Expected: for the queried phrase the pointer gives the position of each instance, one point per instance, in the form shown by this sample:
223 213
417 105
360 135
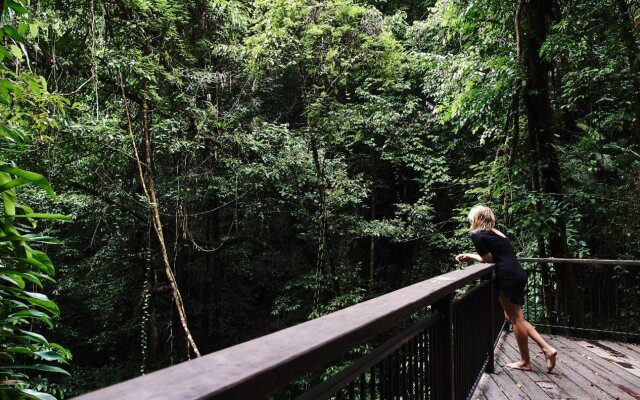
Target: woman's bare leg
514 311
549 352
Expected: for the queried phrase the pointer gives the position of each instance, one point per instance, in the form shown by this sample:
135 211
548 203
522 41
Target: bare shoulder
499 233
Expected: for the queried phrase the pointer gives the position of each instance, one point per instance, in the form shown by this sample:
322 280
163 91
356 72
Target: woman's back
507 265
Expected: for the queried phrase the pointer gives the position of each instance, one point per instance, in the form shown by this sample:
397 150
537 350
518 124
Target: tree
26 110
306 155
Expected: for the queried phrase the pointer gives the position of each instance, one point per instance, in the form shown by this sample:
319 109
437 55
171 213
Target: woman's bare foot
521 365
550 355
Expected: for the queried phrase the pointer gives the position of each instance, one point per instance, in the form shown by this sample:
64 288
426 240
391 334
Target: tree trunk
322 225
148 185
631 49
372 243
539 17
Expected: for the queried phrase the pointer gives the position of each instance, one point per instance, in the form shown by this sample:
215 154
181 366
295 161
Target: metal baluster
408 369
418 376
414 368
600 284
411 370
372 382
591 310
407 380
616 304
531 289
383 379
457 346
392 373
466 321
402 384
397 374
425 366
537 285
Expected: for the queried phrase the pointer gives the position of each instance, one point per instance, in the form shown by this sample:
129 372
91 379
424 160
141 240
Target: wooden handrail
255 368
588 261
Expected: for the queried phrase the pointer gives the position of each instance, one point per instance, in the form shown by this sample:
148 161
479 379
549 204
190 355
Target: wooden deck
586 369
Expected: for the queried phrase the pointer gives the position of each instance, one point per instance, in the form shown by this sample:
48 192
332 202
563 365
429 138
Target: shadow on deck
586 369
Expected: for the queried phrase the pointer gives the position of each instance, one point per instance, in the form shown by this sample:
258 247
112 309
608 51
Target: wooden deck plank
504 381
635 346
537 359
585 370
605 367
564 387
539 374
622 351
614 357
566 378
478 395
572 372
572 381
630 349
620 381
509 386
490 388
524 380
597 379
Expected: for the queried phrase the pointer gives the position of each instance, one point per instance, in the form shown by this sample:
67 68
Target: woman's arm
487 258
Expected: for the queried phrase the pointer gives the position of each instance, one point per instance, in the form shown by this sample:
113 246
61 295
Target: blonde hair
481 218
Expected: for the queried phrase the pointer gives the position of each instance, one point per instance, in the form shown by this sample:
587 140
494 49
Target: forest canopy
229 168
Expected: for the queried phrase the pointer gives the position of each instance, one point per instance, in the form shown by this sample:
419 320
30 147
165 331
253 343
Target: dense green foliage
25 112
307 155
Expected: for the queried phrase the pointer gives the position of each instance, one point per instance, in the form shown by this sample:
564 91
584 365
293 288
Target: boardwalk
586 369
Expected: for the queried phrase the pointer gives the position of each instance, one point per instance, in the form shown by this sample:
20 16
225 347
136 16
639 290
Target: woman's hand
466 257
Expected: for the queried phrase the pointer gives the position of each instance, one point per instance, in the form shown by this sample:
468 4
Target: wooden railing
444 344
431 340
599 298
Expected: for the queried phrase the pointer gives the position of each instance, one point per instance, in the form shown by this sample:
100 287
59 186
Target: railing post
492 323
442 350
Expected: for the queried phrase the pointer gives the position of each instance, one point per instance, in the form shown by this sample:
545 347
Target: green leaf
33 29
13 33
17 7
20 350
37 395
40 300
51 355
30 314
37 367
35 263
40 239
43 259
35 277
26 177
59 217
15 50
15 279
11 134
8 196
32 336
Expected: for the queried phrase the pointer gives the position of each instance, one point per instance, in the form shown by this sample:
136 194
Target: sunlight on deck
586 369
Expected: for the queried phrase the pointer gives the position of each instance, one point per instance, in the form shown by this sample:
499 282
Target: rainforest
182 176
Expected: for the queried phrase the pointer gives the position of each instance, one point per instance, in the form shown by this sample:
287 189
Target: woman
494 247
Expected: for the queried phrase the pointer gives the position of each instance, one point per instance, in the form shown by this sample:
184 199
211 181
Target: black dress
511 278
